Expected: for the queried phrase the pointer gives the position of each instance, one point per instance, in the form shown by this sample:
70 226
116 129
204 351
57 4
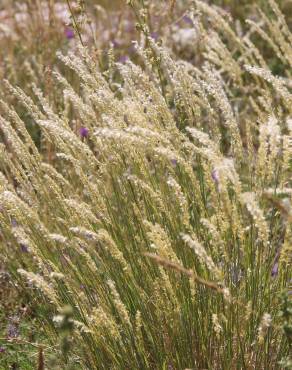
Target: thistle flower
173 162
123 59
69 32
14 222
83 131
13 327
215 176
154 35
187 19
24 248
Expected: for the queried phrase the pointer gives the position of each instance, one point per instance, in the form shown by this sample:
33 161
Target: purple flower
123 58
69 32
187 19
13 222
154 35
83 131
174 162
215 176
23 248
12 330
2 349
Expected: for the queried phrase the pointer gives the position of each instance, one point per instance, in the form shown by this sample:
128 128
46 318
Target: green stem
75 22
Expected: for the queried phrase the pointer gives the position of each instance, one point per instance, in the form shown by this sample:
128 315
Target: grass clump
155 233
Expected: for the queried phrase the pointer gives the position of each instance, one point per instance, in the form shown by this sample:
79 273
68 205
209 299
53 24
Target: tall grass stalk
163 217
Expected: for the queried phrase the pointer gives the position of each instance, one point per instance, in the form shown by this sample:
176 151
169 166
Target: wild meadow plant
157 233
